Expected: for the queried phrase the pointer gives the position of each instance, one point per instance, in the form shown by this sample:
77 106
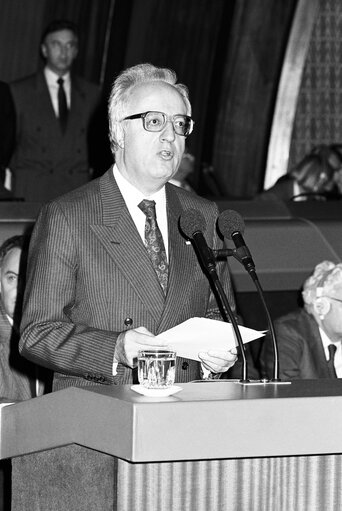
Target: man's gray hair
326 277
122 88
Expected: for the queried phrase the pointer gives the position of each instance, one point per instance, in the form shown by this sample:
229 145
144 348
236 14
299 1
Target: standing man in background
54 109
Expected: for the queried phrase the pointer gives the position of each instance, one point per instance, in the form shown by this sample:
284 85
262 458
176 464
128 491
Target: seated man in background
313 178
309 339
18 377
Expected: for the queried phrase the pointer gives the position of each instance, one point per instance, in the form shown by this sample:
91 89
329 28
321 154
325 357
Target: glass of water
156 368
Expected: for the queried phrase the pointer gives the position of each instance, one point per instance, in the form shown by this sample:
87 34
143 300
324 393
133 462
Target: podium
213 446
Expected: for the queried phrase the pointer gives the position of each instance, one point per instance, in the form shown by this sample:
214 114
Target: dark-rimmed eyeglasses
156 121
332 298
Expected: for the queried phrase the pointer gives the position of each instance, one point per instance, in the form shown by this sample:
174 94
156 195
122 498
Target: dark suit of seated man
309 339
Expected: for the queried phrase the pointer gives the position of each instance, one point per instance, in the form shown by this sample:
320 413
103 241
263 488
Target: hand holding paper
202 335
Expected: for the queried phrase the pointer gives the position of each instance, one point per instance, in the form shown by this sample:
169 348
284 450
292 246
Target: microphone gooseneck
232 226
192 223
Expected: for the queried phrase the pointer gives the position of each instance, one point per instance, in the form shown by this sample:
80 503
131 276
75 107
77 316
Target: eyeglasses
332 298
156 121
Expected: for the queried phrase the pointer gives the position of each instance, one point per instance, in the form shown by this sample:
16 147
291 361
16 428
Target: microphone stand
227 252
213 277
224 300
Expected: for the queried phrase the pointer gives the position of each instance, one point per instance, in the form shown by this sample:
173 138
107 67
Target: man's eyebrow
9 272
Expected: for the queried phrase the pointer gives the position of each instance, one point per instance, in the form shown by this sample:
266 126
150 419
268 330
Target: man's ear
120 135
321 306
43 50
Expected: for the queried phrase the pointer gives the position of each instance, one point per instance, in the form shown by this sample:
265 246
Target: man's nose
168 132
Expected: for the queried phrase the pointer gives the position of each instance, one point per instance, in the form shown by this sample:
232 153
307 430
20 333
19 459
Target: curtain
251 69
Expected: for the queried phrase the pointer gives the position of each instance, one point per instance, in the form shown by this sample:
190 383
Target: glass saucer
156 392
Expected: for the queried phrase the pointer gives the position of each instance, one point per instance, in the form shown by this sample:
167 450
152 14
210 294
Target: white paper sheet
202 334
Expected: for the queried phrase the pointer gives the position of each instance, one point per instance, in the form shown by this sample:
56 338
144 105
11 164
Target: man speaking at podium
94 297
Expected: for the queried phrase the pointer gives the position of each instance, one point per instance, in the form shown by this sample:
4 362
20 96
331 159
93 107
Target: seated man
313 178
309 339
18 377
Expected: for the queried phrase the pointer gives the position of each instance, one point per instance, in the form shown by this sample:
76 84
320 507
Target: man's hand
130 342
218 361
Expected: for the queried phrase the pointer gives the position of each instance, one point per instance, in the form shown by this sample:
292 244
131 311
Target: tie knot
332 350
60 82
148 207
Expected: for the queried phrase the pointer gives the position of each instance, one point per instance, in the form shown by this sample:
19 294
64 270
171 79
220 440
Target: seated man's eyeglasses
156 121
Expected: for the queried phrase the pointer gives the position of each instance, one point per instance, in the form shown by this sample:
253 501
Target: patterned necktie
154 242
332 350
62 105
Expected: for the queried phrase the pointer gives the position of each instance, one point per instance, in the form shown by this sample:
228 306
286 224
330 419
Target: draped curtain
250 77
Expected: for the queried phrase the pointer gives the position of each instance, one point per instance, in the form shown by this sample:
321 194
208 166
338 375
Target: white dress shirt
132 197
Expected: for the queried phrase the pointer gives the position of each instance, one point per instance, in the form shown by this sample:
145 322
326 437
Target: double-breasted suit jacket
301 352
46 162
90 278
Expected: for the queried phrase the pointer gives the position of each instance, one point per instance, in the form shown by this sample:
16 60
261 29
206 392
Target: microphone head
192 221
230 221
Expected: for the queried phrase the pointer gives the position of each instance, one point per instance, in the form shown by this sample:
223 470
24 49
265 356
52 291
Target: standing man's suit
301 352
46 162
90 278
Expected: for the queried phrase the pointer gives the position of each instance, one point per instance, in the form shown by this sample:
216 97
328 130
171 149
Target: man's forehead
11 260
61 35
156 96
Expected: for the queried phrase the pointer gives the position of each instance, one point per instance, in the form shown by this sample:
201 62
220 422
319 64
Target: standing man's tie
332 350
62 105
154 242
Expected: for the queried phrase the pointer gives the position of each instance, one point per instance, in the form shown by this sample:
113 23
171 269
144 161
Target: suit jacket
47 163
17 375
7 124
301 352
283 189
90 278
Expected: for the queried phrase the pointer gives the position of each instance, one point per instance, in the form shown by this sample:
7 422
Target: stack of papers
202 334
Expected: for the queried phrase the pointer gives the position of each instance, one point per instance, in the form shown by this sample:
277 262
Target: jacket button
128 322
185 365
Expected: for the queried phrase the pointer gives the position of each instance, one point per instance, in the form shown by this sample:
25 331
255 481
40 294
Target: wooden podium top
206 420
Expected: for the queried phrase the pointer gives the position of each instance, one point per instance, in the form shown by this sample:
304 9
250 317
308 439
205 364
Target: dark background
228 52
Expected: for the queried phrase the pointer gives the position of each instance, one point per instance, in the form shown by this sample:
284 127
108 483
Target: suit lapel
47 116
78 98
120 238
180 257
318 354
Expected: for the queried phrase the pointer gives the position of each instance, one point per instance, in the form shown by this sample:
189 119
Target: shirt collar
51 77
132 196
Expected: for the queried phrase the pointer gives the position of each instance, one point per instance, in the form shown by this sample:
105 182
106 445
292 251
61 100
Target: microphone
232 226
192 223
